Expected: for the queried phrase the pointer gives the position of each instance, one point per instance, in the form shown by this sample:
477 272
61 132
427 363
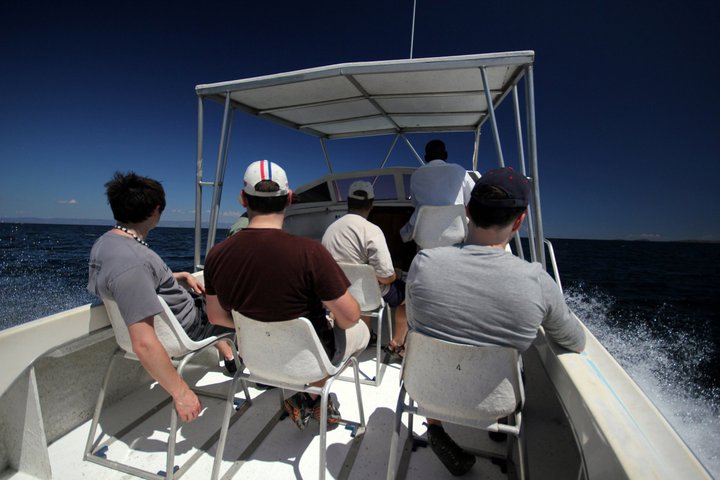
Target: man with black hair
270 275
477 293
123 268
437 183
354 239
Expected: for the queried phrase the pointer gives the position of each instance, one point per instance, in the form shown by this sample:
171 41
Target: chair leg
356 371
522 460
99 405
323 431
239 367
378 348
172 438
396 434
324 396
170 462
389 319
225 426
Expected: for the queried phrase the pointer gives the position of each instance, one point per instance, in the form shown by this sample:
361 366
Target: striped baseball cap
265 170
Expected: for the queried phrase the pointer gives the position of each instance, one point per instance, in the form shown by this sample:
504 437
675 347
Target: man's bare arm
345 309
154 358
217 315
386 280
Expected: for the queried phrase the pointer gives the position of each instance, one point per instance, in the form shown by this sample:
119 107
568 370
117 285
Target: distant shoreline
191 225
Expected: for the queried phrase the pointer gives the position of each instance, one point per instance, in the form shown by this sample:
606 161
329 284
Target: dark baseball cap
514 184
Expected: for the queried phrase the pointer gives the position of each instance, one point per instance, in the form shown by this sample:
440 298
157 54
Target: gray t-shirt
133 276
483 296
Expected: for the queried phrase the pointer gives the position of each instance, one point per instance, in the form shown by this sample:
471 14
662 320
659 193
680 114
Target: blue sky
626 99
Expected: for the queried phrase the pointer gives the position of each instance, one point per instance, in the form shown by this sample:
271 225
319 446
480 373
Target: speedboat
584 417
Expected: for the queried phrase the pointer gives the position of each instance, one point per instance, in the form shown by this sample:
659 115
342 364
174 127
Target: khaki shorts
350 342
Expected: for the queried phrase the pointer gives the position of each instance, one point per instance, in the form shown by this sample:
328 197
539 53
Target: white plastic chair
366 290
440 225
288 355
462 384
181 350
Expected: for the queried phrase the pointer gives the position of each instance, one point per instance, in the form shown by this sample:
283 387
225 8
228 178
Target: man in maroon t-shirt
269 275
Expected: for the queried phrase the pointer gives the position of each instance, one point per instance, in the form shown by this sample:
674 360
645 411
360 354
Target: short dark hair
435 150
266 204
485 216
133 198
357 204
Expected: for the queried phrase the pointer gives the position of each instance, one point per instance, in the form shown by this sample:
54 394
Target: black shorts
396 295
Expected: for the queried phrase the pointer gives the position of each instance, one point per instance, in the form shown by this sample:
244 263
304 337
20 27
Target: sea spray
664 361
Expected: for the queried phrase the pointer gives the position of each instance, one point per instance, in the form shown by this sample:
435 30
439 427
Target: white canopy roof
376 98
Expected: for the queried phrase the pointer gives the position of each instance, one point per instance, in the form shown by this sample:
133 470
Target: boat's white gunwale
21 346
606 407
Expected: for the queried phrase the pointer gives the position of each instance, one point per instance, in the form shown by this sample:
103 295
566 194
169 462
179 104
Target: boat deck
287 452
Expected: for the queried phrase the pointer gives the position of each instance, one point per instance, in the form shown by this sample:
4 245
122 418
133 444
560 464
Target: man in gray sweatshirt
477 293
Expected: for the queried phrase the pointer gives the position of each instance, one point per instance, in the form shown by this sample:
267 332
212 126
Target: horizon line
190 224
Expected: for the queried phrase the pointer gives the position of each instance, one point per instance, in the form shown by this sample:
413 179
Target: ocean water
654 306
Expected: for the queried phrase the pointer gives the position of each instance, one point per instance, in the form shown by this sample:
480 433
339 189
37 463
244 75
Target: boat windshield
384 185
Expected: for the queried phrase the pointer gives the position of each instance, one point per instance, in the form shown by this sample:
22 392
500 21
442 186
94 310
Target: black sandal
394 349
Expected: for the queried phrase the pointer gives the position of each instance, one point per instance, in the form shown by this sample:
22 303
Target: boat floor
287 452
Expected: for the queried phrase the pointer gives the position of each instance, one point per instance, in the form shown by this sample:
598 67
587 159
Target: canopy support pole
219 173
199 185
412 32
412 149
329 165
476 149
521 157
493 120
390 150
533 164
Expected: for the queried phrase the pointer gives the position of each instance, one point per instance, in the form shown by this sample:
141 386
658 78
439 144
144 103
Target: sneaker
298 409
455 459
333 414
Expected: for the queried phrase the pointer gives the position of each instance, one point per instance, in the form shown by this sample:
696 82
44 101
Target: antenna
412 34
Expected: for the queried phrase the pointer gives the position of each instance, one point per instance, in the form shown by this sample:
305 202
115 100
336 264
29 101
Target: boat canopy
393 97
378 98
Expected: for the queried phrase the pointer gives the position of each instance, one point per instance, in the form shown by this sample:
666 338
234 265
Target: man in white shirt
437 183
353 239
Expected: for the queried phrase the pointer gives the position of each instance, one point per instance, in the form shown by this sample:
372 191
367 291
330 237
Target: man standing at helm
437 183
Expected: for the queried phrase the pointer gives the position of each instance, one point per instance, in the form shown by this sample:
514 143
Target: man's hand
345 310
191 282
187 405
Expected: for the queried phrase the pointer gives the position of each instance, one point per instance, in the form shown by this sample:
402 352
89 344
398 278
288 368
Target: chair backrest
287 351
167 328
364 285
440 225
463 384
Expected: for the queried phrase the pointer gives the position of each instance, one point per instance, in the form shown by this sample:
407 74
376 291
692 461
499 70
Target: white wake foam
664 366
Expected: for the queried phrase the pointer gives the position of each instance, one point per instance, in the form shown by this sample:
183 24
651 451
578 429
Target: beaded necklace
137 239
